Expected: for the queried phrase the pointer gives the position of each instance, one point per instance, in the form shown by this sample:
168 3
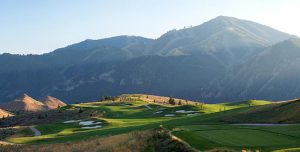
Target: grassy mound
282 112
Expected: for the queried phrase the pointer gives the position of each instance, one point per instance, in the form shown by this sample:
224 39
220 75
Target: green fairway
239 137
118 118
203 131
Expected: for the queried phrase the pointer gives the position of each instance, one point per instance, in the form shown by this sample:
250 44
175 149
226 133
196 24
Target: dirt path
35 131
259 124
6 143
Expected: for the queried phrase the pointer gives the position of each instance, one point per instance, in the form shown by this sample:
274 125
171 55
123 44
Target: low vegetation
6 132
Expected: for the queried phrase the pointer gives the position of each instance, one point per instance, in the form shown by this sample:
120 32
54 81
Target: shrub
172 101
162 141
179 103
80 110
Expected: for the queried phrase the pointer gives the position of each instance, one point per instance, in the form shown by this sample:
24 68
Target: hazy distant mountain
105 50
272 74
226 39
222 59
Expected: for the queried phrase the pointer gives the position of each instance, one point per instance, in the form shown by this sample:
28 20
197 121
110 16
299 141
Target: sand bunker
192 114
184 111
72 121
157 112
88 123
91 127
170 115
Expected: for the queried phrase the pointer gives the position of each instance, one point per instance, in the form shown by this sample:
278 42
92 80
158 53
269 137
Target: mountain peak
25 95
221 34
221 17
225 20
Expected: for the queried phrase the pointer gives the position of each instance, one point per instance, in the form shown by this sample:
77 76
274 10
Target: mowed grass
56 128
121 117
118 118
281 112
205 137
198 131
71 134
213 108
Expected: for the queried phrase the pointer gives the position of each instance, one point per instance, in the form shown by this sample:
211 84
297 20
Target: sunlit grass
124 117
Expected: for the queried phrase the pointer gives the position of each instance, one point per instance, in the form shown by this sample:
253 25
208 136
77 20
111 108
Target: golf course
201 126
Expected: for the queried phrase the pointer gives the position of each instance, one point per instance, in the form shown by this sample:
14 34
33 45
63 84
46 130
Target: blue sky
39 26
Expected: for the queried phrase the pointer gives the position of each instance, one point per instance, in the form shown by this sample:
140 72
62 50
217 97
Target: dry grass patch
130 142
162 99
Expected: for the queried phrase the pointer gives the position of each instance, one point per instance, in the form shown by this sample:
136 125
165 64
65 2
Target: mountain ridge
194 63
